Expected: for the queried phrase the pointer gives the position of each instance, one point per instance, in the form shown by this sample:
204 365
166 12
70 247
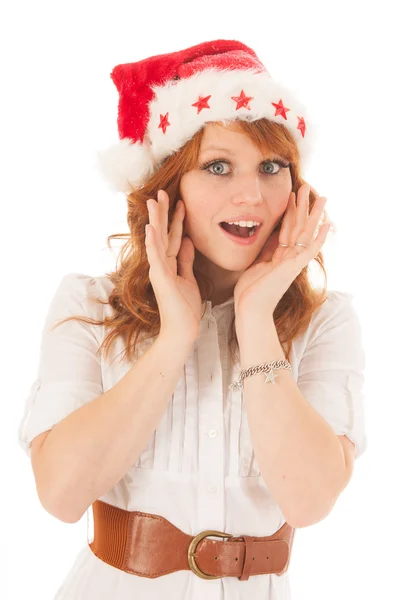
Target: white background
59 107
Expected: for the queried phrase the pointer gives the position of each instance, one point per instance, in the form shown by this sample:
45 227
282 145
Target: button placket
210 513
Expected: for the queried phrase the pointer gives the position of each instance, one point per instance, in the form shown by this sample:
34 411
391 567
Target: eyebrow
272 156
217 148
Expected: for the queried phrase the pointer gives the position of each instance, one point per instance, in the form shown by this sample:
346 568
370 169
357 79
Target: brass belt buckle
192 552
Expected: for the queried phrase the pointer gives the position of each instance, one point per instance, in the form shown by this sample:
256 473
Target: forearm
299 456
90 450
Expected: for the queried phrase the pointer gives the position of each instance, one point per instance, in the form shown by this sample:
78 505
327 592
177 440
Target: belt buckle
192 552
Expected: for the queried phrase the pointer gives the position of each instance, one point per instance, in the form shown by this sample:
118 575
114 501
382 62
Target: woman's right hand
171 269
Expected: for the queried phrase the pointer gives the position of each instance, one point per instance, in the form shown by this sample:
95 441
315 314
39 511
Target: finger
174 240
159 261
186 259
154 221
320 238
163 207
302 259
307 234
288 220
316 244
302 209
315 215
151 248
176 229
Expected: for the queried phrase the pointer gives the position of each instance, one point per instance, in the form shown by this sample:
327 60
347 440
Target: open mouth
238 231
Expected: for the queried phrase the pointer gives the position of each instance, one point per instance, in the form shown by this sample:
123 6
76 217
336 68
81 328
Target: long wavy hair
134 307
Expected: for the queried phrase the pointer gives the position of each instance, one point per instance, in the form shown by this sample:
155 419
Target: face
239 180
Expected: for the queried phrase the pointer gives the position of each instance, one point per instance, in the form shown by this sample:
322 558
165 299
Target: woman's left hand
262 285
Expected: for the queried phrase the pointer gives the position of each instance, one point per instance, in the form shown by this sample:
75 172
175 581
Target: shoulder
83 286
335 302
337 310
80 292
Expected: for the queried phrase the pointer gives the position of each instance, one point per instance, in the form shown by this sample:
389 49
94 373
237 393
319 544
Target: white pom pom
126 164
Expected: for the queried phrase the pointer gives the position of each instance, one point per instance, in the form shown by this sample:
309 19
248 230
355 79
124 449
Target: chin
234 264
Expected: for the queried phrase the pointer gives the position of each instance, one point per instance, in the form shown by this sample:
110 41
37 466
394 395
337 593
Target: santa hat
164 100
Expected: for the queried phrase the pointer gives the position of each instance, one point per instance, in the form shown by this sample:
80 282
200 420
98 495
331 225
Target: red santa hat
164 100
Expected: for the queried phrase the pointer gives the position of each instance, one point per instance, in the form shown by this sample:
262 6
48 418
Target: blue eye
268 164
210 165
216 164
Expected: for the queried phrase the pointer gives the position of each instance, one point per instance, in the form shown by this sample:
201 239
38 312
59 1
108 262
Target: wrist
180 343
253 328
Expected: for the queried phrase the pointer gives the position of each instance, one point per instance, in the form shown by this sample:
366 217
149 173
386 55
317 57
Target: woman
234 412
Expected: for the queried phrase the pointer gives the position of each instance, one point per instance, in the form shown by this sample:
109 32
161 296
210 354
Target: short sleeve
69 371
331 370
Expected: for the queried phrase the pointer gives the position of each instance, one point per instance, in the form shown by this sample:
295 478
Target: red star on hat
242 100
302 126
280 109
202 103
164 123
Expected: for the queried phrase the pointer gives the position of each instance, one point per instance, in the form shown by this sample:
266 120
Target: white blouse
198 469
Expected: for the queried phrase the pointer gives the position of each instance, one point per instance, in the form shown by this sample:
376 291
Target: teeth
244 223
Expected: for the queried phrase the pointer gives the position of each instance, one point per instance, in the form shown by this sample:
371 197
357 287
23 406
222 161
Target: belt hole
236 559
215 557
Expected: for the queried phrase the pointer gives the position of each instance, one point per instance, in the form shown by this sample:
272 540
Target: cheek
279 194
201 206
281 207
198 218
277 208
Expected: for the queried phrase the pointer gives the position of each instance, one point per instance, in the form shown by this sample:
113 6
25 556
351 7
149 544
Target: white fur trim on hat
176 99
126 164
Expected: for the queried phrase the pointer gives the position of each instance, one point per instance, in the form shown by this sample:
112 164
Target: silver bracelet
267 368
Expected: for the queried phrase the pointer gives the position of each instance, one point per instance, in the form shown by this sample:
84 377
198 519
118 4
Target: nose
247 190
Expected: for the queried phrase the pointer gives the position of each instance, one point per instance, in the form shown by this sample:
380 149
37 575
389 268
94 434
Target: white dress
198 469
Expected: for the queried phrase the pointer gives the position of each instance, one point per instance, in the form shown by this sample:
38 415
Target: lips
232 228
243 241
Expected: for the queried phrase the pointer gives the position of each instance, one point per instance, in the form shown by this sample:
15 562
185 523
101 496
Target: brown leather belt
150 546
